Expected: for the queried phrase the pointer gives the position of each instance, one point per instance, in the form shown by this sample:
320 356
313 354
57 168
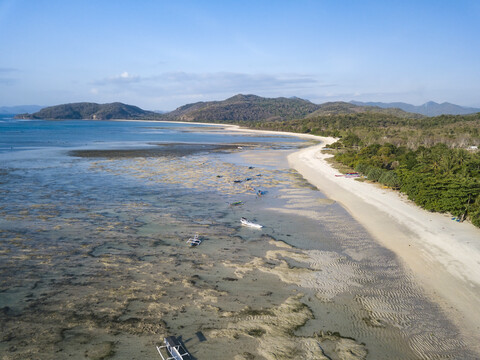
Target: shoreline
442 255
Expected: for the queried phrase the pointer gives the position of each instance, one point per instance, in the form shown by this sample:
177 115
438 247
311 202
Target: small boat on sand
195 241
175 349
246 222
261 192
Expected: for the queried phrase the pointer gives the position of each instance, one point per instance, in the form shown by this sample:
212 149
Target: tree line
437 178
371 128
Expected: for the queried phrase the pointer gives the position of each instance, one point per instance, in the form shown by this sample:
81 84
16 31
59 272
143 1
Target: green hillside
251 108
244 108
91 111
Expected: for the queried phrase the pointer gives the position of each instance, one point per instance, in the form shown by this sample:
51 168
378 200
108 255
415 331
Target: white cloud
126 75
123 78
172 89
184 83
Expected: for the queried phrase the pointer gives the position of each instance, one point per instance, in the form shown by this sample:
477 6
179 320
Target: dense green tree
390 179
436 178
374 173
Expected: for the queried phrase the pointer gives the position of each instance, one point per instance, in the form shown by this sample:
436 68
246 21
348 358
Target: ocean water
38 134
94 263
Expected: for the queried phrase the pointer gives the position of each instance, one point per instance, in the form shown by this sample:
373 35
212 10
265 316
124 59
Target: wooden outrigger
195 241
174 348
246 222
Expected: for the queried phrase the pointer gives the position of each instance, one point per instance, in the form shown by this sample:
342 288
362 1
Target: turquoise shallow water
93 260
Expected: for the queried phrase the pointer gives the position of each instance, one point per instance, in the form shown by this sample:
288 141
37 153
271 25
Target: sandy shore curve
442 255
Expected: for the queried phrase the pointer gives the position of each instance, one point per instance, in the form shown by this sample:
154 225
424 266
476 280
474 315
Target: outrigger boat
195 241
175 349
245 222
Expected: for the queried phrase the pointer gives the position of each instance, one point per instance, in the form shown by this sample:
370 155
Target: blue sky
163 54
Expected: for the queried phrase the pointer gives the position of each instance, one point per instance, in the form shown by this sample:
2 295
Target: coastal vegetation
366 128
437 178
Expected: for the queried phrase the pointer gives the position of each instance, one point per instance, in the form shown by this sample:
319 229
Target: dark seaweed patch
160 150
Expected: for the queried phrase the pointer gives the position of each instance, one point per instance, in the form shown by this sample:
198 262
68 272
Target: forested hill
251 108
93 111
243 108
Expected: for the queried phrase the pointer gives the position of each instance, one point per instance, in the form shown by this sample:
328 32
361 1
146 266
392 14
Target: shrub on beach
374 173
391 179
362 168
475 212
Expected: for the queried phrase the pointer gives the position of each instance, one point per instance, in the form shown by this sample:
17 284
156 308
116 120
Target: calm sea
16 135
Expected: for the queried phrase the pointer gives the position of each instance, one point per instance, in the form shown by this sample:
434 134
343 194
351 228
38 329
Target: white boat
195 241
245 222
175 349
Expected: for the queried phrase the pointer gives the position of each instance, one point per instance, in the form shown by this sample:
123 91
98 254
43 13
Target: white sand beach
442 255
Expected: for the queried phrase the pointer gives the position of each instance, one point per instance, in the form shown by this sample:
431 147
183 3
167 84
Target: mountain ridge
344 108
430 108
20 109
244 108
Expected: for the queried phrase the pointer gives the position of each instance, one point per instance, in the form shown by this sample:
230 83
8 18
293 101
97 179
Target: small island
91 111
